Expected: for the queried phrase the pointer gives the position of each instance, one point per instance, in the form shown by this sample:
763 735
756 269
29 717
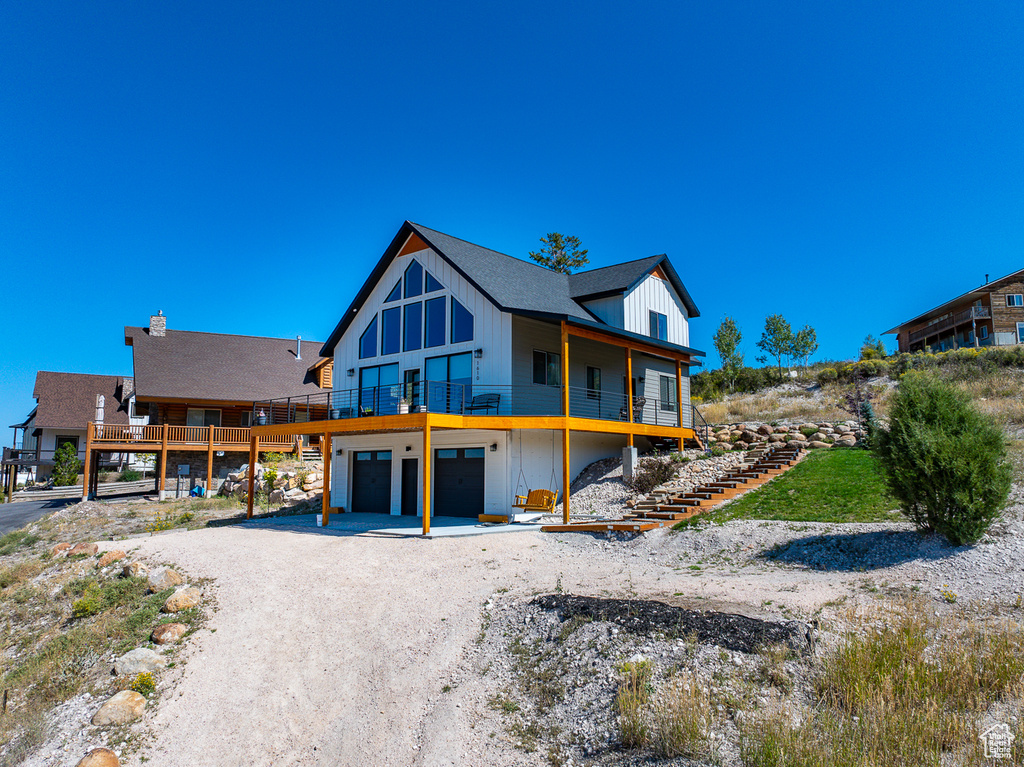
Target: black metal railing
467 399
700 426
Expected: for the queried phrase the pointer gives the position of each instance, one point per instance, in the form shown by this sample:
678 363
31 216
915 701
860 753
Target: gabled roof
970 296
620 278
194 366
68 400
511 284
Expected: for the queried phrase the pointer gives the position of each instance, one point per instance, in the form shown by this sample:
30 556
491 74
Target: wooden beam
640 346
163 461
426 479
254 444
566 476
328 454
629 392
565 370
90 429
209 464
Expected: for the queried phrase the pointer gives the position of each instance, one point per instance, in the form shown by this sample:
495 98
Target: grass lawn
834 485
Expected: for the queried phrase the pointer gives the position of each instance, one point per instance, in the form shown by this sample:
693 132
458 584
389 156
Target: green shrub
269 477
129 475
943 460
66 465
827 376
90 603
649 473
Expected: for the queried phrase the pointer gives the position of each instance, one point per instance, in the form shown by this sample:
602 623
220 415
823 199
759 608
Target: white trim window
1014 299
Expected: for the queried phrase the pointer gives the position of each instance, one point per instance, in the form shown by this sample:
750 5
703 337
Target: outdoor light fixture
408 448
340 451
494 447
478 353
351 372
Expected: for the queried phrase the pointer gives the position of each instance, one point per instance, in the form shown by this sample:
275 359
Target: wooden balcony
945 323
120 438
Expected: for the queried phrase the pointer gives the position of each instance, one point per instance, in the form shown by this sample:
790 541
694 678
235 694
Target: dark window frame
412 336
593 382
418 287
668 394
548 368
658 325
458 306
427 325
392 311
372 326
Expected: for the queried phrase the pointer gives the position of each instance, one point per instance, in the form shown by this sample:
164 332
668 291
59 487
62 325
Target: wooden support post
209 463
163 461
679 398
12 474
325 449
426 478
566 476
565 370
629 393
86 472
253 453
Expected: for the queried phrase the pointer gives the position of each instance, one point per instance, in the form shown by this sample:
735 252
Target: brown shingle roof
213 366
68 400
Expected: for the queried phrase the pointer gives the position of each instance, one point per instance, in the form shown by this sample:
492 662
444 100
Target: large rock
817 444
777 438
817 437
183 599
134 570
295 494
124 707
60 548
798 443
277 496
740 445
810 428
83 548
139 660
847 441
748 436
163 578
99 757
110 557
168 633
765 429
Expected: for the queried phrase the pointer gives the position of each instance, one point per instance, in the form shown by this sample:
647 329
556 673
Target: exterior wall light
494 447
350 372
478 353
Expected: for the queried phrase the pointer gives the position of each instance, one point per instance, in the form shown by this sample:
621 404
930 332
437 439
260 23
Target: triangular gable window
395 294
368 340
414 280
433 285
462 323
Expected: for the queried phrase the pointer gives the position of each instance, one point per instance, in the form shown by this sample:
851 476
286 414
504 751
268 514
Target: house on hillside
462 376
198 390
65 405
991 315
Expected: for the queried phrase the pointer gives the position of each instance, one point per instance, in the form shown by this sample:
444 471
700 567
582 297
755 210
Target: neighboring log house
991 315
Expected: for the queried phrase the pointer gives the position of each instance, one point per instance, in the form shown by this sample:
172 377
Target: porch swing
541 501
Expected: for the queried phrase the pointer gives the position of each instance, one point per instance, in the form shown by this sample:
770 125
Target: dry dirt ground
359 650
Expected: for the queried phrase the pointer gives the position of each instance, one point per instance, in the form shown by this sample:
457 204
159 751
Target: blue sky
241 165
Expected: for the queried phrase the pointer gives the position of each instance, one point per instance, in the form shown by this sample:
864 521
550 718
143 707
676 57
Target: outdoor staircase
668 505
310 454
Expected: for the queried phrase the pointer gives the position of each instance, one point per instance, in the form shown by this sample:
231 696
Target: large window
379 391
413 332
395 294
391 331
434 322
1015 299
449 382
668 394
659 326
413 280
200 417
547 369
368 340
462 323
432 284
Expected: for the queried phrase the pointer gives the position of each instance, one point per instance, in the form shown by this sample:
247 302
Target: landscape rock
765 429
817 444
134 570
163 578
124 707
168 633
295 494
277 496
740 445
847 441
59 549
183 599
83 548
99 757
110 557
137 661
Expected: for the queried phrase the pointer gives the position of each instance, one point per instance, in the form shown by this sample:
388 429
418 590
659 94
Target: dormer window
659 326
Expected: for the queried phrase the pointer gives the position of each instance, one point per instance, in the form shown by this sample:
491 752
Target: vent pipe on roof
986 280
298 347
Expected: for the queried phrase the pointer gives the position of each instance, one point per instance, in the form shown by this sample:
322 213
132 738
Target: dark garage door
371 481
459 482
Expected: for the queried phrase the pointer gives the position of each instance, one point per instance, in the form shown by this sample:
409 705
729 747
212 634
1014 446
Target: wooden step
603 527
502 518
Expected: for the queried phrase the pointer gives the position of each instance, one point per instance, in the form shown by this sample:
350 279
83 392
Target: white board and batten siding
492 329
654 294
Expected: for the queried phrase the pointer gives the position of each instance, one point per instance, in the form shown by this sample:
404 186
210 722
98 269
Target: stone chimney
158 325
127 388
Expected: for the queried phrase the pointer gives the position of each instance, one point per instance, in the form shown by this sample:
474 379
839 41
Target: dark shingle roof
68 400
619 278
215 366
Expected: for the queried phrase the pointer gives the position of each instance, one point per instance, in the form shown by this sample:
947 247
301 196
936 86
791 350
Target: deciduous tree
805 343
776 339
727 341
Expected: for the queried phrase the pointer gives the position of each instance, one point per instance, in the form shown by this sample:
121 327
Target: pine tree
561 253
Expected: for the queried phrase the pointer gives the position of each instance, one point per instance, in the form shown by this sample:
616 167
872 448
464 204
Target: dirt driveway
334 650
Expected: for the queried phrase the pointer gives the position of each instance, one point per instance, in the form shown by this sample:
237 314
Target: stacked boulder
742 436
289 487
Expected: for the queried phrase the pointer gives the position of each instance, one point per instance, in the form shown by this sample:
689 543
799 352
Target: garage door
371 481
459 482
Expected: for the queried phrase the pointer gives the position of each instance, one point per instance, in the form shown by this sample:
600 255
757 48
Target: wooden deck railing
183 435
